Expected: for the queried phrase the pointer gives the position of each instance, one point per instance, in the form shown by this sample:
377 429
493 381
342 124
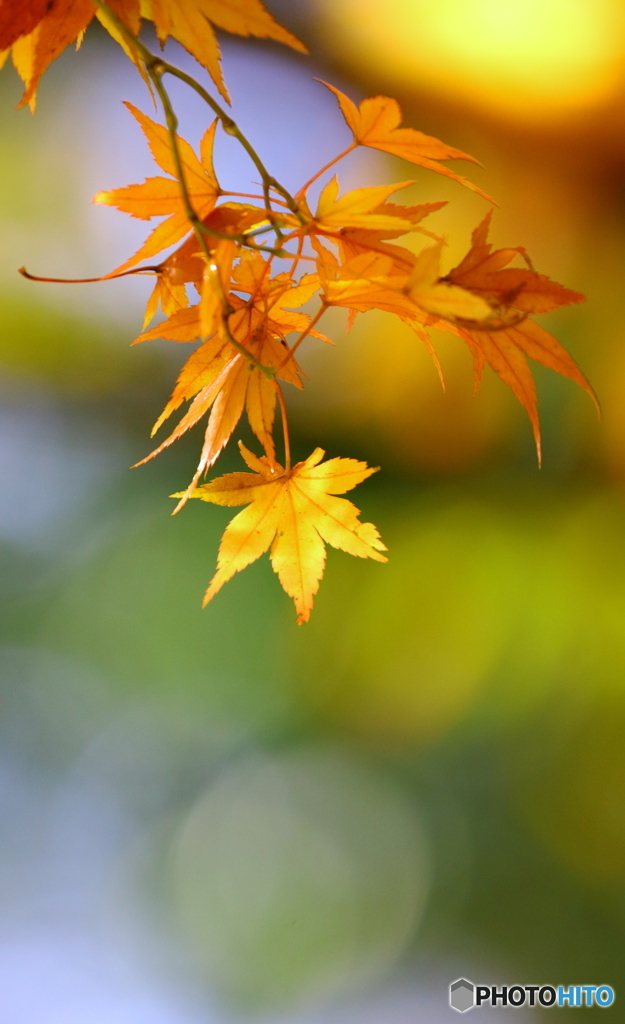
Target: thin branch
247 195
304 189
231 128
285 428
88 280
303 335
298 256
156 68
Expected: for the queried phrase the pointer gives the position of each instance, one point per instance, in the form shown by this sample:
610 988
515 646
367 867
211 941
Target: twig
285 428
156 68
303 335
304 189
88 280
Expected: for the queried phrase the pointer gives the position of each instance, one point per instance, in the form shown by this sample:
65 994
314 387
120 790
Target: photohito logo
464 995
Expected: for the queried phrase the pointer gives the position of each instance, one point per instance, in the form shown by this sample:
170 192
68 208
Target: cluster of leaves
245 265
37 31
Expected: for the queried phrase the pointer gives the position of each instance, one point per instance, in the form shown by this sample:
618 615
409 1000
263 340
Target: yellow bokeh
536 59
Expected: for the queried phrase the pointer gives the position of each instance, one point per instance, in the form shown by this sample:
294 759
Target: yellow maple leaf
439 297
360 209
295 512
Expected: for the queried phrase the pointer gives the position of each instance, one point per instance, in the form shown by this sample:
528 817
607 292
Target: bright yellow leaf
296 513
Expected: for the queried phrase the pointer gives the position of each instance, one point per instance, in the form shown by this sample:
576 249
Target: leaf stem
231 128
298 256
247 195
303 335
88 280
304 189
285 428
156 68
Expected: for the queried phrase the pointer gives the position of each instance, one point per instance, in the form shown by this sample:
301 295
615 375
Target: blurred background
217 816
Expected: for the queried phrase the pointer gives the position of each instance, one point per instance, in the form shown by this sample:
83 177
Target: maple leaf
162 196
355 241
20 19
295 512
372 280
365 281
270 296
482 301
222 380
409 289
360 208
439 296
39 30
189 21
32 52
219 381
507 336
375 123
59 23
519 289
186 264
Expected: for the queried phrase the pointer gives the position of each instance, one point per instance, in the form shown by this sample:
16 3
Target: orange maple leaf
296 513
482 301
375 123
189 21
409 288
519 289
365 281
372 280
360 208
186 264
39 30
20 19
162 196
59 23
440 297
225 383
507 336
222 380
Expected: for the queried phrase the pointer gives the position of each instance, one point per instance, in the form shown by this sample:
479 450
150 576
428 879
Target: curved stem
298 256
156 68
303 335
247 195
304 189
87 280
231 128
285 428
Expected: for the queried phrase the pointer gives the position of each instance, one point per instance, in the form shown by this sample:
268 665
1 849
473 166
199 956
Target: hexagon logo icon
462 995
